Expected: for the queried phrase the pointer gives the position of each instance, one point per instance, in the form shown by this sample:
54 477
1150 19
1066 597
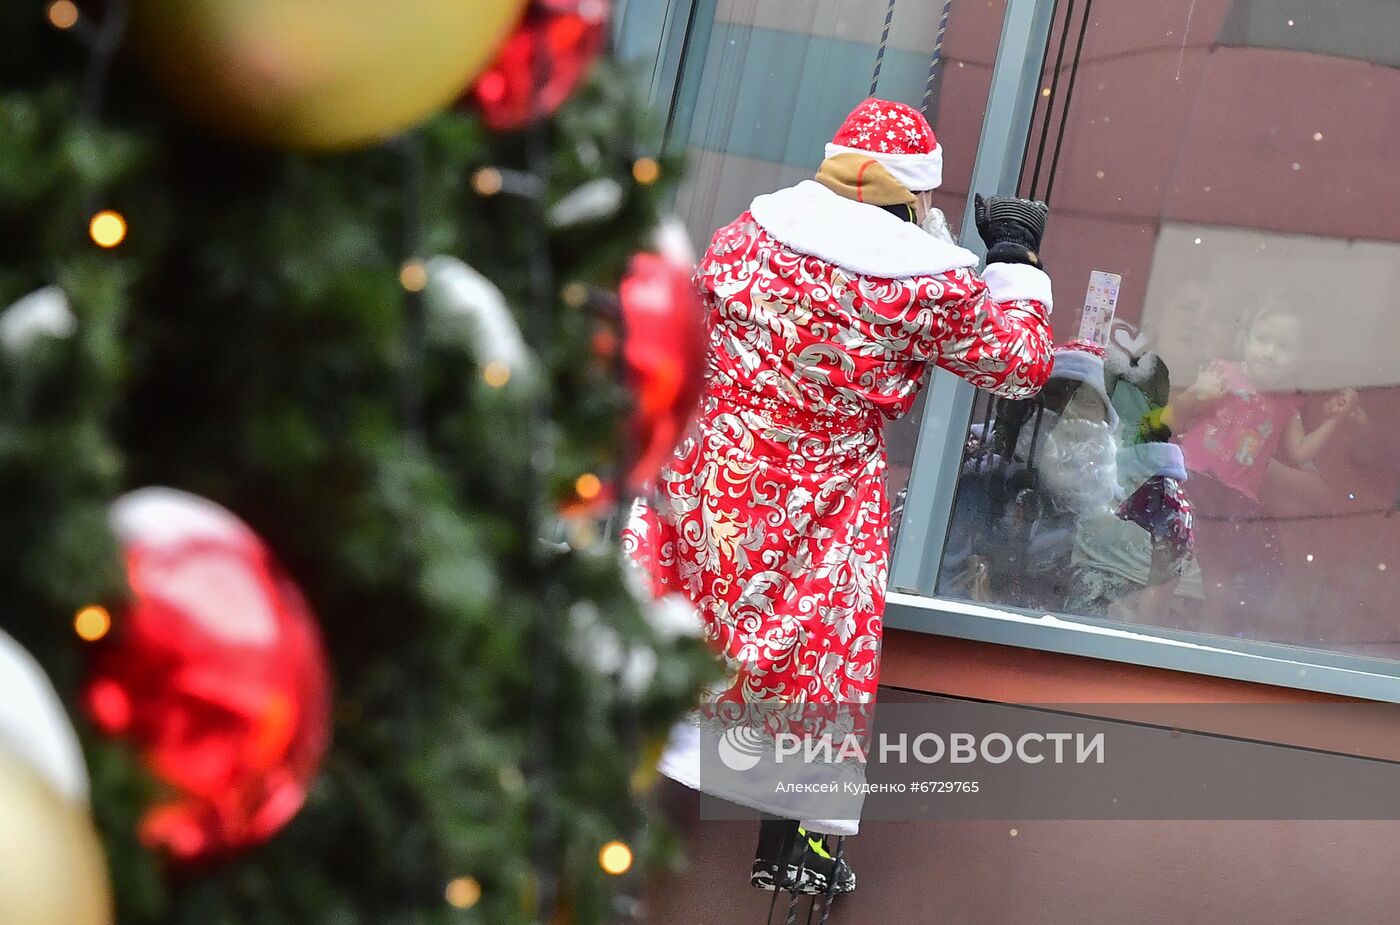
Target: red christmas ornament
663 353
216 675
543 61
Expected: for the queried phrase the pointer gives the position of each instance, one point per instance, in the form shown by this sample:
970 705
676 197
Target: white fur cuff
1008 282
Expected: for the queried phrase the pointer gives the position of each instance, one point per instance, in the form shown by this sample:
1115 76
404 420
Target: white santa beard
936 224
1077 462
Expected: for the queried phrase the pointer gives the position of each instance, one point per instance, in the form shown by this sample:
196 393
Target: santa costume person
826 304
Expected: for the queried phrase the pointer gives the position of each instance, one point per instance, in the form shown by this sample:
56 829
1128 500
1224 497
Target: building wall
997 872
1060 873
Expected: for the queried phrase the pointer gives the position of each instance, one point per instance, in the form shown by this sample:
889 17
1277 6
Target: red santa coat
772 516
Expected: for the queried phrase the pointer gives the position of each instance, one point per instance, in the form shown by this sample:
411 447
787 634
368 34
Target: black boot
791 859
777 841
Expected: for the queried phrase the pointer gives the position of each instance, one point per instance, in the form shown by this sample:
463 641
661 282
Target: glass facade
777 77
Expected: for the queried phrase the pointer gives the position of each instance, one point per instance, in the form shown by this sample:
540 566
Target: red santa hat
898 137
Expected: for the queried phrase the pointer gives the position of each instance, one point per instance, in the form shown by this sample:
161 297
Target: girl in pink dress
1235 419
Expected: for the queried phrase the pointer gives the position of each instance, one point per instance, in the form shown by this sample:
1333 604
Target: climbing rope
880 55
937 57
1053 97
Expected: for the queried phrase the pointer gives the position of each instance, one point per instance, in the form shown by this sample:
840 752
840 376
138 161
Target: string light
575 295
92 623
1045 91
107 228
646 171
1310 557
496 374
63 14
511 779
1317 136
615 858
588 486
1380 566
413 275
487 181
1014 833
463 892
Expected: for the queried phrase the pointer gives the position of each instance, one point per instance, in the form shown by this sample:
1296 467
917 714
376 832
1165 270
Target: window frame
674 77
912 602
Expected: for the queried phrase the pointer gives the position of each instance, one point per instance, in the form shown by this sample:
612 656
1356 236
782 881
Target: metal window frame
933 479
689 68
912 602
673 80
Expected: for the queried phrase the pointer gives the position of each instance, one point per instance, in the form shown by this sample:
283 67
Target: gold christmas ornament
318 74
53 871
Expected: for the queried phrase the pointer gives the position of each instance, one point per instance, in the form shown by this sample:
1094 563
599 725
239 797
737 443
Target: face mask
937 225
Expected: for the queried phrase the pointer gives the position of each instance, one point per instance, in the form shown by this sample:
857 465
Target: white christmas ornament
672 616
34 726
43 313
594 643
675 617
602 649
672 241
639 671
460 295
591 202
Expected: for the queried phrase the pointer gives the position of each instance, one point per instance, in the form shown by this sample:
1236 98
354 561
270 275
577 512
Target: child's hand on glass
1210 384
1341 406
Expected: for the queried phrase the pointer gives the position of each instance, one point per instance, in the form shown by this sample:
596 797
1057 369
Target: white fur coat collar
861 239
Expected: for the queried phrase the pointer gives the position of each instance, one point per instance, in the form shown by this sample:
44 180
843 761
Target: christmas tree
285 333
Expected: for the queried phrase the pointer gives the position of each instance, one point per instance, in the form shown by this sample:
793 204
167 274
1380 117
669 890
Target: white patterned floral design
772 515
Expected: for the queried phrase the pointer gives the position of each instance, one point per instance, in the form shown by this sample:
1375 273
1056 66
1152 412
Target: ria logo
741 748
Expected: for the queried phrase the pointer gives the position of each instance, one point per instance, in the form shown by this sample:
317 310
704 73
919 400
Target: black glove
1011 228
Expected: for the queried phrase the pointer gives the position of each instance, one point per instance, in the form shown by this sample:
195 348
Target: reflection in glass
1066 502
1228 161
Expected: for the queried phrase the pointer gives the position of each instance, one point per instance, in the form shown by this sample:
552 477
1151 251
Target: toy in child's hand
1139 383
1131 359
1156 426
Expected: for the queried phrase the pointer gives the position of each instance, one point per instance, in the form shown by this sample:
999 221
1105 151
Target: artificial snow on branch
462 300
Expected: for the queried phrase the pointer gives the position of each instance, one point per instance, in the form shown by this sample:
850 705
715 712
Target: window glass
1231 465
777 77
